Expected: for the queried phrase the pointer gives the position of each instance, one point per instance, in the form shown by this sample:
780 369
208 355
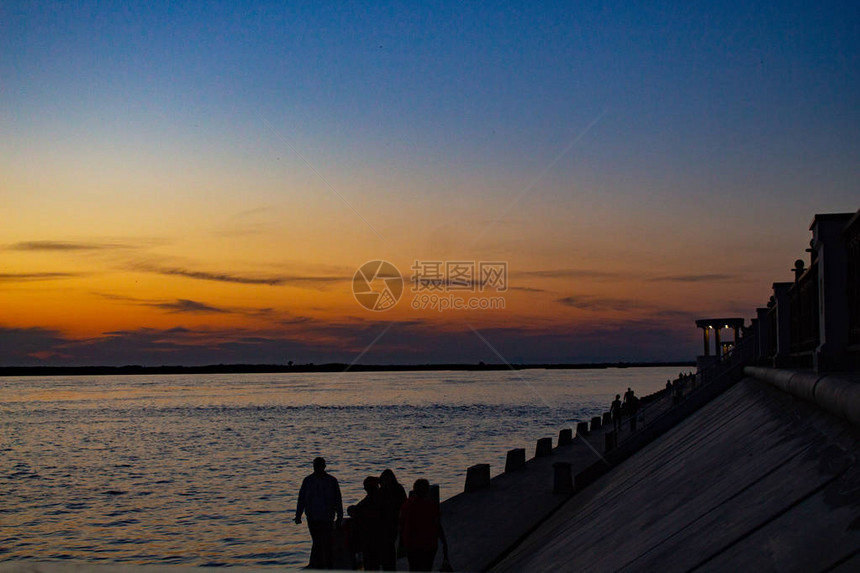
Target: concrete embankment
484 523
758 479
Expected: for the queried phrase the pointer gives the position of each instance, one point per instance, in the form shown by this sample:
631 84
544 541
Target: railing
852 244
804 312
730 364
773 334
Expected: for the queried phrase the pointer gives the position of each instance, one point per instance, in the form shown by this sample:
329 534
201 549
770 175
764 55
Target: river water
205 469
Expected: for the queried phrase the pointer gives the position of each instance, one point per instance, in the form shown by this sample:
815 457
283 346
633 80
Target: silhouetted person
615 412
632 409
421 527
319 499
370 525
392 496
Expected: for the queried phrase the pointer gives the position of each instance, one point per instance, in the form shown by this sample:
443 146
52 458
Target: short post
582 428
607 418
544 448
434 492
565 437
562 479
595 423
477 477
516 460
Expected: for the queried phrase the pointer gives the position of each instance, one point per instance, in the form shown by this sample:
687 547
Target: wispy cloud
567 274
190 306
716 277
29 277
183 305
216 277
227 277
293 321
595 303
63 246
126 261
527 289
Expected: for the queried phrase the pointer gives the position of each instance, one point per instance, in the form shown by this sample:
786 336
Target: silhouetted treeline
330 367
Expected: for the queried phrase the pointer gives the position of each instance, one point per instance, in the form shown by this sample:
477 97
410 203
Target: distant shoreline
305 368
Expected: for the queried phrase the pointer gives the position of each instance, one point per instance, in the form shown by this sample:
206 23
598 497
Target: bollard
607 418
477 477
544 448
565 437
595 423
582 429
434 492
562 479
516 460
610 441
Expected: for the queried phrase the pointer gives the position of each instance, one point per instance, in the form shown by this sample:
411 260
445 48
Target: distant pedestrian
421 528
370 525
320 500
392 497
615 412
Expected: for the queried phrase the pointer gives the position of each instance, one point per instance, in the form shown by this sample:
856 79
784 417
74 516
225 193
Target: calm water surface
205 469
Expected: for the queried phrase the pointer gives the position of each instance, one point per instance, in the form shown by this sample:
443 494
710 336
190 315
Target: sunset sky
194 183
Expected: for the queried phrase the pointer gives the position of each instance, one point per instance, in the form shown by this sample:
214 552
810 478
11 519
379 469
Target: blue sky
686 138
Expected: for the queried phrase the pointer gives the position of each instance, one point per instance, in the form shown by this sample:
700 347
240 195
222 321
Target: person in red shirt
421 528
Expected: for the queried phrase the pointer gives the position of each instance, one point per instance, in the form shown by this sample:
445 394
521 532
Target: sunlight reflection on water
205 469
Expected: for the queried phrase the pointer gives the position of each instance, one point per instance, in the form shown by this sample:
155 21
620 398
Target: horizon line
249 368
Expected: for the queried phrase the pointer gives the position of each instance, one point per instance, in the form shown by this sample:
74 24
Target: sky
199 183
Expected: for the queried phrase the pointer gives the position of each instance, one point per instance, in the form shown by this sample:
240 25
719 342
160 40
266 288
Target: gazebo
716 325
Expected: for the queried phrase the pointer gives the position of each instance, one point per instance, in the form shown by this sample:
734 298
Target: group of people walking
624 410
383 517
